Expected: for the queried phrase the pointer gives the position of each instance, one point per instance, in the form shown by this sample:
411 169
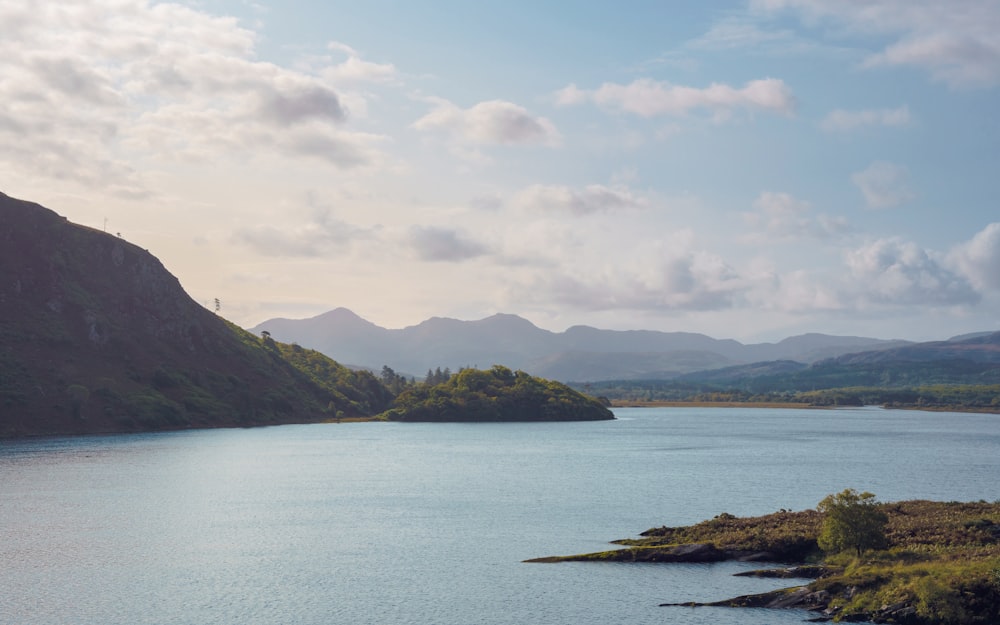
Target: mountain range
97 336
579 354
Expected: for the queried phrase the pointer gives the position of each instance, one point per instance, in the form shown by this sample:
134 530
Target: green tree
852 520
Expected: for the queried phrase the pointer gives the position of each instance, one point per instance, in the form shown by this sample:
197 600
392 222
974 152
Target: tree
852 521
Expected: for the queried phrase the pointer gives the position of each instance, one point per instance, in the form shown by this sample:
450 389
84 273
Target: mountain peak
341 315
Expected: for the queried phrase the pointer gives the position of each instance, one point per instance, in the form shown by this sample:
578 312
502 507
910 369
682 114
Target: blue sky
749 170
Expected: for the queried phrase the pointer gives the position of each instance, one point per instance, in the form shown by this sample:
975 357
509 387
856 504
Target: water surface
387 523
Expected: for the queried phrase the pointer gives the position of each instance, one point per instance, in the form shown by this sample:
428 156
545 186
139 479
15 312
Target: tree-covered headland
495 394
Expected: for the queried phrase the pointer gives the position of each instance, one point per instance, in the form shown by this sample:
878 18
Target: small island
910 562
496 394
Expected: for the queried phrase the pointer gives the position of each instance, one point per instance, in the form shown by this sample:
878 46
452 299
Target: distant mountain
971 360
581 353
979 348
96 336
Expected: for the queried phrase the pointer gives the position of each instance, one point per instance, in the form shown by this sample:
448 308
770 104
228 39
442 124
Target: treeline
959 396
986 397
397 383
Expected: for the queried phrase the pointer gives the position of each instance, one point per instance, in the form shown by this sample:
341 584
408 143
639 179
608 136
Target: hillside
96 336
581 353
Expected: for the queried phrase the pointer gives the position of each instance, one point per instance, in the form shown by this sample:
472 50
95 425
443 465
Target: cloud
74 79
733 32
322 237
897 272
494 122
99 84
782 216
442 245
356 70
664 275
884 185
320 233
841 120
591 199
649 98
682 287
955 41
747 33
301 103
979 258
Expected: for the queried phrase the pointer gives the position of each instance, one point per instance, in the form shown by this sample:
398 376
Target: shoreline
622 403
941 564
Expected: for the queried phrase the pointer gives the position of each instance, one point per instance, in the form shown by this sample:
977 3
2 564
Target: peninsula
940 562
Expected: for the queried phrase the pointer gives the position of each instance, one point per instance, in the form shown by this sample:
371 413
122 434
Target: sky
748 170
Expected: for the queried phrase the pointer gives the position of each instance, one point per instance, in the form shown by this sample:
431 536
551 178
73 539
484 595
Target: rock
791 599
696 552
804 572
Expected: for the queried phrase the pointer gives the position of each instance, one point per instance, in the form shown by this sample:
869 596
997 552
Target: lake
386 523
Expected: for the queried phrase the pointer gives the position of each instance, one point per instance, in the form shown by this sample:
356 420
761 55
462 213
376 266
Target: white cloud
649 98
979 258
667 273
356 70
443 244
570 95
320 235
591 199
884 185
493 122
782 216
841 120
897 272
955 41
696 281
733 32
99 84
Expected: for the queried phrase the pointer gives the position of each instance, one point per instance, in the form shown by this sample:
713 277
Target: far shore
621 403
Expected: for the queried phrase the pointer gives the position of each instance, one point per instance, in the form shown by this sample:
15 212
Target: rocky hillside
96 336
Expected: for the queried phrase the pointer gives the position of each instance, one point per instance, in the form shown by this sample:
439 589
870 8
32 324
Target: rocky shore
822 602
941 565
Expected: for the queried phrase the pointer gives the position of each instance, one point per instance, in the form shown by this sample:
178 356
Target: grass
942 563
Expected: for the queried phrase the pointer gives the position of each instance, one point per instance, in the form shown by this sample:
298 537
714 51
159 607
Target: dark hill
96 336
972 360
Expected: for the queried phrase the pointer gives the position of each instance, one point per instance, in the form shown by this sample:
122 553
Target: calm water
428 523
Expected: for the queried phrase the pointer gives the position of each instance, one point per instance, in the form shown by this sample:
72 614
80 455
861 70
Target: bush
852 521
